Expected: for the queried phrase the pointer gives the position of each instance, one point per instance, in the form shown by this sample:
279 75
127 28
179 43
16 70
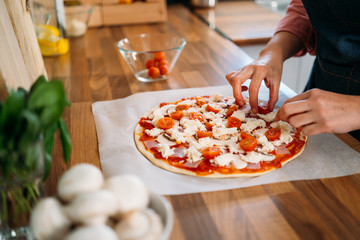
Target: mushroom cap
130 191
79 179
48 220
140 225
92 208
92 233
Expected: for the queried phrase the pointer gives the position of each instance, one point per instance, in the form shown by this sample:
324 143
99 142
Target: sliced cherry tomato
163 69
234 122
177 115
150 63
212 108
203 134
182 107
163 104
158 56
146 123
245 135
211 152
248 144
263 110
154 72
198 116
231 110
166 123
209 126
273 134
200 101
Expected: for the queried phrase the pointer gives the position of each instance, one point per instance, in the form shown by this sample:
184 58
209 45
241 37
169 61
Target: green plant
28 123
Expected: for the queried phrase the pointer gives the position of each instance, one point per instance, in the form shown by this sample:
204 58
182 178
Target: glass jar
49 22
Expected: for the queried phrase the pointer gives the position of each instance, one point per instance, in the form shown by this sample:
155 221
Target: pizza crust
162 164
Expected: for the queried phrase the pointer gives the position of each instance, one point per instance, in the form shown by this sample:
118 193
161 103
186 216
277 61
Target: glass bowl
77 19
163 207
151 57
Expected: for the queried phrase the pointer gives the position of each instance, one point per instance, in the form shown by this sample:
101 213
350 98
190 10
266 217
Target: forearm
282 46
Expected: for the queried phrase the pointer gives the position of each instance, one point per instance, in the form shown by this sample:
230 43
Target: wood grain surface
93 70
244 22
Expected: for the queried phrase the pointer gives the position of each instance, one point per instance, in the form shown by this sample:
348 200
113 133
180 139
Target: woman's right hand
268 67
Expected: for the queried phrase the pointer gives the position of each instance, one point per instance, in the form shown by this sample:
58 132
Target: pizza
212 136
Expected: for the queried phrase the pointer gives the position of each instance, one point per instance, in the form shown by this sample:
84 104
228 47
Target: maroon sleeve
297 22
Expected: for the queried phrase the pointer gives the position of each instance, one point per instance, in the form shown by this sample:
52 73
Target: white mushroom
92 233
48 220
79 179
130 191
140 225
92 208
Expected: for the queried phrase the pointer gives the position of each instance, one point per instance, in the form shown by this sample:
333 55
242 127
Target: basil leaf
65 140
48 100
37 83
31 131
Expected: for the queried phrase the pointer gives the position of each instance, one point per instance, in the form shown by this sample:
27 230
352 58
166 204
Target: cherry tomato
203 134
200 101
212 108
234 122
150 63
182 107
198 116
244 88
245 135
163 62
158 56
177 115
231 110
166 123
163 104
154 72
209 126
163 69
248 144
211 152
263 110
146 123
273 134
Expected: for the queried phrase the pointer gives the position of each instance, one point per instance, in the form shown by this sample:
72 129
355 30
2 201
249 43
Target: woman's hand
268 68
318 111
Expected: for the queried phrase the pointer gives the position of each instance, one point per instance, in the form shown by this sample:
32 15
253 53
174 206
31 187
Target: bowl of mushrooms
87 206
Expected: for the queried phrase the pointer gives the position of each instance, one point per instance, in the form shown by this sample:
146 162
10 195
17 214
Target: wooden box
111 12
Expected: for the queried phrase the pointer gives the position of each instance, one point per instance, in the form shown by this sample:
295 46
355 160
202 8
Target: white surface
325 155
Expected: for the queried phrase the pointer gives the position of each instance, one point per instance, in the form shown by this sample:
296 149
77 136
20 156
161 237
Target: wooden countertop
93 70
244 22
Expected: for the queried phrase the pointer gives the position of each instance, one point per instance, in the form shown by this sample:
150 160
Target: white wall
296 70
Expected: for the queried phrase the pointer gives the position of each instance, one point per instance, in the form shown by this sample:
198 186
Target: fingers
236 79
273 96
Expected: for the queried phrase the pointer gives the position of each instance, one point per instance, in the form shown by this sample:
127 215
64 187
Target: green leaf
49 101
65 140
31 131
47 166
48 146
42 79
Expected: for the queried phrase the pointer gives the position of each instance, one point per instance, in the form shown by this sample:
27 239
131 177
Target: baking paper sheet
325 155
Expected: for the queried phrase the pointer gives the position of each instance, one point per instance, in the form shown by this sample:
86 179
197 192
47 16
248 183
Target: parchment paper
325 155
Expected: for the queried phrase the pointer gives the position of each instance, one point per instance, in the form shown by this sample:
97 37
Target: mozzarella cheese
165 150
154 132
268 117
225 159
176 135
224 133
251 124
239 114
255 157
163 140
238 163
193 155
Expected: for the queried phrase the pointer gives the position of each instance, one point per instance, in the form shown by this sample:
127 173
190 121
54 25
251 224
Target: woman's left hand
318 111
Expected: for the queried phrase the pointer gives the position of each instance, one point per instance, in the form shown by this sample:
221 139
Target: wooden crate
110 12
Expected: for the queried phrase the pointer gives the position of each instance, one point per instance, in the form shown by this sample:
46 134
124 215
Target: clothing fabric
331 30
